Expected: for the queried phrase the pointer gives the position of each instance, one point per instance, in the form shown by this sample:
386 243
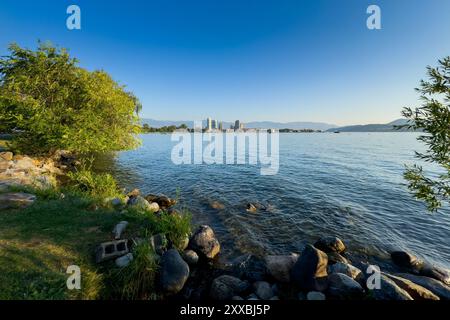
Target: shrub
96 185
55 104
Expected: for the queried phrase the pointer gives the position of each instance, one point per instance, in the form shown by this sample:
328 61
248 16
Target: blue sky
251 60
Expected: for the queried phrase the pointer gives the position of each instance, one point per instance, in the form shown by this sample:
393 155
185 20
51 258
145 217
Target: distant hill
388 127
255 124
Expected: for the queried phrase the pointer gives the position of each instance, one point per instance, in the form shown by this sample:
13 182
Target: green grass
38 243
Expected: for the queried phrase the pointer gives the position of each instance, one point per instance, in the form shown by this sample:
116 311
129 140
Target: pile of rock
323 272
17 171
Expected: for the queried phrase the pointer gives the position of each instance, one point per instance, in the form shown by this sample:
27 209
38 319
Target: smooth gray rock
389 290
225 287
124 261
279 267
343 287
119 229
435 272
174 272
310 269
263 290
435 286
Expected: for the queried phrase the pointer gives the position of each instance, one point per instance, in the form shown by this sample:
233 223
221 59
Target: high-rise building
241 126
237 125
221 126
208 124
214 124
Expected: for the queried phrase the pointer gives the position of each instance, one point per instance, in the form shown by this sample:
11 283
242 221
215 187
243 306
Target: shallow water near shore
348 184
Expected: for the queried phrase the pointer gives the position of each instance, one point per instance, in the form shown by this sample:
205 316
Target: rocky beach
189 268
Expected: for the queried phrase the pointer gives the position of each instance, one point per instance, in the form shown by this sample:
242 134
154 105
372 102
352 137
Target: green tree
55 104
433 118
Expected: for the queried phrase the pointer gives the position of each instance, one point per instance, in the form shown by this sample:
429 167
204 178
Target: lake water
347 184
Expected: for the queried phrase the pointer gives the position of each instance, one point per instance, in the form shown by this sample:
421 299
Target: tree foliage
433 117
54 104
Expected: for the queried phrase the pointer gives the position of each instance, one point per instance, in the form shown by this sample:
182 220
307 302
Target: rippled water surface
347 184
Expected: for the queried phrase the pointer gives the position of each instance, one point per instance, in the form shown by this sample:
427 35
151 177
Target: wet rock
119 229
174 272
415 291
237 298
435 286
330 244
405 259
389 290
310 269
163 201
217 205
204 242
225 287
263 290
435 272
341 286
347 269
6 155
249 267
315 296
279 267
334 257
190 256
159 243
16 200
124 261
251 207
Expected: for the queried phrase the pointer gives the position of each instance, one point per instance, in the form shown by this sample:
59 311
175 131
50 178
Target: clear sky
277 60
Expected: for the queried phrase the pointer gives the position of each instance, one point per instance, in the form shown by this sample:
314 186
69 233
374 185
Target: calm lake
347 184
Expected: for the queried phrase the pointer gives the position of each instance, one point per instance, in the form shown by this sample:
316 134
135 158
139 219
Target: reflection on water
347 184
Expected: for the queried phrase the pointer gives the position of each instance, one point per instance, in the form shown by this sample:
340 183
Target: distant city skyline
283 61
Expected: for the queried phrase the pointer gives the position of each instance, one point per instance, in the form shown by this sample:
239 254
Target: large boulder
330 244
310 269
174 272
263 290
343 287
433 271
347 269
163 201
334 257
5 165
405 259
225 287
435 286
415 291
389 290
279 267
204 242
16 200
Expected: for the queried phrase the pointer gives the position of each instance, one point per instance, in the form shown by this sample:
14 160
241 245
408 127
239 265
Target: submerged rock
310 269
204 242
174 272
330 244
279 267
225 287
163 201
